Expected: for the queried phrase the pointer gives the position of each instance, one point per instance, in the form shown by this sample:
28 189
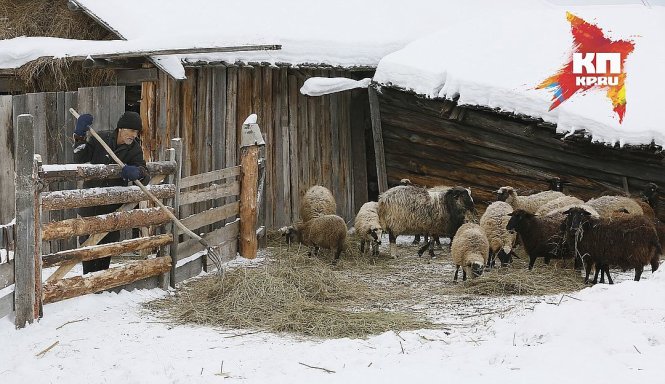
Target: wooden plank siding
308 139
429 143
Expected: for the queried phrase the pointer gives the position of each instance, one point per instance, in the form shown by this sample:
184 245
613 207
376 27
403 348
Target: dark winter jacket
93 152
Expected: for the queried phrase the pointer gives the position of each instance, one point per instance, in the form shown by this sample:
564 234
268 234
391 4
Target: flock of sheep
602 232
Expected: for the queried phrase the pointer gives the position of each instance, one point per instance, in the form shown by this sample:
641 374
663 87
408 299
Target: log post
39 245
377 135
24 256
251 142
176 144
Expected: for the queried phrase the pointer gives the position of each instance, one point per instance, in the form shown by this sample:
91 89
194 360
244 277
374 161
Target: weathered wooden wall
309 140
435 142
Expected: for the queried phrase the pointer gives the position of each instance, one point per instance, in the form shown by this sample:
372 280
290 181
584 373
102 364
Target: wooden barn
433 142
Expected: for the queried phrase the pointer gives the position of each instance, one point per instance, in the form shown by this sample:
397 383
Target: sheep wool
368 227
529 203
494 222
469 250
606 206
557 203
318 201
327 232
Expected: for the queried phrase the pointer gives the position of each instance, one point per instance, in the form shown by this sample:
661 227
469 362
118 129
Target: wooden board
7 159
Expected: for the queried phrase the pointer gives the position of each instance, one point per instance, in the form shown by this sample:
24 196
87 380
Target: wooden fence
176 258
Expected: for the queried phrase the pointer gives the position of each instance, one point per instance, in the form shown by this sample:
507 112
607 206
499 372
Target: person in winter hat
124 142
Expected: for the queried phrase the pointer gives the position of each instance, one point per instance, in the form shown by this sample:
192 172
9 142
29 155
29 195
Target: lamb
409 210
317 201
629 241
469 250
608 205
368 227
557 203
327 232
529 203
539 234
501 241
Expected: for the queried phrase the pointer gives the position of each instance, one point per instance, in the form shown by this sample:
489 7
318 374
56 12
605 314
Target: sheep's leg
532 261
431 246
463 274
316 251
422 249
638 273
490 259
456 272
416 240
438 241
595 275
393 244
362 247
338 252
606 269
588 272
547 260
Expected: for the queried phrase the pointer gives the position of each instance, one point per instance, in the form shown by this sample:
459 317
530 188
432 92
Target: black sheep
628 241
540 235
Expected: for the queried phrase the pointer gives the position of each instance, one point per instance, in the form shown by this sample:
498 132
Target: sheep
469 250
529 203
557 203
501 241
539 234
608 205
409 210
650 194
317 201
368 227
629 241
327 232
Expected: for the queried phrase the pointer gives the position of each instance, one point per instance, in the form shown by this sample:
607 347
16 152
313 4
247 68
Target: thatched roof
52 18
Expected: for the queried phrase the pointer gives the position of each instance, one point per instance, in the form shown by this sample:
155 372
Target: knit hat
130 120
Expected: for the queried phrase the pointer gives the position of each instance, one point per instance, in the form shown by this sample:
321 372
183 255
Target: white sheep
368 227
529 203
557 203
607 206
327 232
409 210
469 250
501 241
318 201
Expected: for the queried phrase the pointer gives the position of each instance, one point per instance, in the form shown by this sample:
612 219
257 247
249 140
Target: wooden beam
136 76
377 134
249 173
104 250
176 156
209 177
77 198
76 172
26 184
212 192
104 223
211 216
78 285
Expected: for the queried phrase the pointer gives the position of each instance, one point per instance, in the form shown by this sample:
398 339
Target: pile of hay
53 19
292 293
518 280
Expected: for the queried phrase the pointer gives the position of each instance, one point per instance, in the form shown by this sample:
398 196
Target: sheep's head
576 218
503 193
517 217
405 182
556 184
505 257
459 205
376 234
477 269
290 233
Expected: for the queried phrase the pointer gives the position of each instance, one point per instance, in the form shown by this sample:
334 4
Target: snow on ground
603 333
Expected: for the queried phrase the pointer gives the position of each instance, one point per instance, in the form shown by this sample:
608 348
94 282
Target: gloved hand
131 173
83 124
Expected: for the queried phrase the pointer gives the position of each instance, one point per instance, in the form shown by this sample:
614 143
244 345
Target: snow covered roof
498 59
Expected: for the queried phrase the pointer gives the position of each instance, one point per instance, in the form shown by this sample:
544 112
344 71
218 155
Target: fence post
39 245
176 145
251 141
24 256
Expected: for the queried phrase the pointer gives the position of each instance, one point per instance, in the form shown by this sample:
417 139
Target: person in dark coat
124 142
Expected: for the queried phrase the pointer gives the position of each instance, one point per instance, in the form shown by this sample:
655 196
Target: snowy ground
603 333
